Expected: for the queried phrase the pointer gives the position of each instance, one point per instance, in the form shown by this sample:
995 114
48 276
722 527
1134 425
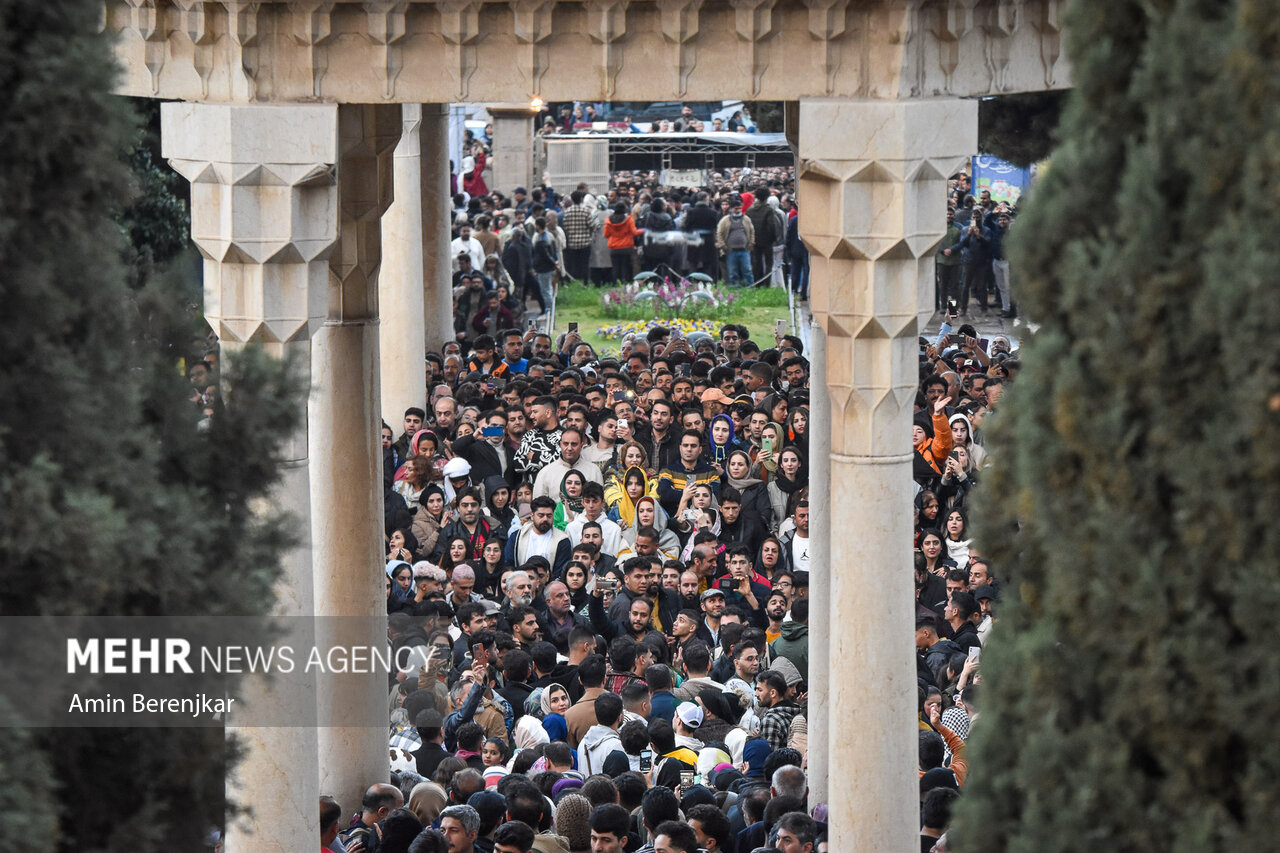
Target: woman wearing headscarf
630 454
962 436
773 438
622 508
497 273
569 505
427 800
497 503
527 733
756 515
424 442
792 476
428 520
720 439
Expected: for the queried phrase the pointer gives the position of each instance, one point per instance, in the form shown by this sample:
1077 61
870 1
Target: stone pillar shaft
346 465
873 200
512 146
437 208
401 335
820 617
264 214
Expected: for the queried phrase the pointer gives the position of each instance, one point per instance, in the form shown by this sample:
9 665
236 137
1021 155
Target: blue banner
1005 181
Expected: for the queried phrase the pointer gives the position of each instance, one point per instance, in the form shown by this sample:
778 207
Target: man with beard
640 580
469 525
538 537
636 623
776 709
540 446
776 610
690 583
561 620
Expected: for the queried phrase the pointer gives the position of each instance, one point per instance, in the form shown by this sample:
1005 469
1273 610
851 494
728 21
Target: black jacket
428 756
483 457
966 636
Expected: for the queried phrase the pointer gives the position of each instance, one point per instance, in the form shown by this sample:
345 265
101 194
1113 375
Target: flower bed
657 297
617 331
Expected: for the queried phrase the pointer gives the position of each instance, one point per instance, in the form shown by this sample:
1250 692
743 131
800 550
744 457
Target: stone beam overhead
437 51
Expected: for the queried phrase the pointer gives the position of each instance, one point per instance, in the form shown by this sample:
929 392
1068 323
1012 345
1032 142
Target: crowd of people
597 576
741 228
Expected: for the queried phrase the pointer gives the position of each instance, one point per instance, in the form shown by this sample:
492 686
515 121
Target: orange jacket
621 235
959 763
935 450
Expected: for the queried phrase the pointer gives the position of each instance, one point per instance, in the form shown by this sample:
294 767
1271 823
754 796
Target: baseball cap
715 395
711 593
690 714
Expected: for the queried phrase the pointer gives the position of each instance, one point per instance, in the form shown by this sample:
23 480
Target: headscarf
528 733
503 516
744 483
556 727
711 442
544 701
626 506
755 752
767 462
427 800
433 489
398 594
574 504
709 757
789 487
417 437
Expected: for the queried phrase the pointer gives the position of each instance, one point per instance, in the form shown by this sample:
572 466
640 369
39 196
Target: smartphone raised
478 653
686 778
766 445
573 328
646 760
779 329
492 431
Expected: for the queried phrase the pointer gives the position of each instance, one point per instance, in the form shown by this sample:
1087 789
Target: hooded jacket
621 232
595 747
794 646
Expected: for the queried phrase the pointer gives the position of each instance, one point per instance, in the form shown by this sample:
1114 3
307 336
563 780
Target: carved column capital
264 212
873 178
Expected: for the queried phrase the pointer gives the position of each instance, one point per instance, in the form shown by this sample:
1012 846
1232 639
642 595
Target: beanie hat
573 813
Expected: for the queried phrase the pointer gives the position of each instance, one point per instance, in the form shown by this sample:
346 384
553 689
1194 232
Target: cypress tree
1131 679
112 502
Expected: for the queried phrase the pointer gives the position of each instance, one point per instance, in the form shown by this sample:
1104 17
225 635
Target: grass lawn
757 309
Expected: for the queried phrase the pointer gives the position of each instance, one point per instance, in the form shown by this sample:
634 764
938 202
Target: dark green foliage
1020 129
1132 682
111 502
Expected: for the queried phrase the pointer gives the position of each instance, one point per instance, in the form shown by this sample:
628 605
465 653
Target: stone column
401 337
873 200
264 214
346 463
512 146
820 617
437 209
